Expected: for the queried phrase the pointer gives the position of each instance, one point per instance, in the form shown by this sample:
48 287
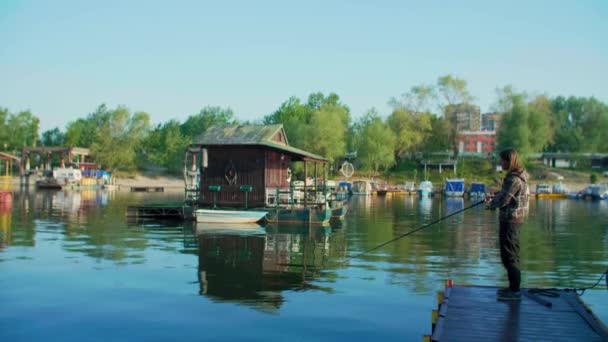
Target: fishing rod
419 228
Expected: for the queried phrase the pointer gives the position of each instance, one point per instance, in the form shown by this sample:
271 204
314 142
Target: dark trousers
509 252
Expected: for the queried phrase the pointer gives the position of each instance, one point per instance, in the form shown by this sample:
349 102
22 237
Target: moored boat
477 190
425 189
361 187
454 187
229 216
596 192
546 191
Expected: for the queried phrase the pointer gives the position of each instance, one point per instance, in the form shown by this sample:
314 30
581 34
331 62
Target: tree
165 146
23 129
209 116
452 91
417 100
53 137
117 139
439 139
375 142
326 133
526 124
410 130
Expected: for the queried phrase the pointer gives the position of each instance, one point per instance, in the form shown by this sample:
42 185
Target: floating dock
472 313
147 189
160 211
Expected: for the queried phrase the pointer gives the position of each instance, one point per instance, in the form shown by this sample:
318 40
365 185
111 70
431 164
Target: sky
62 59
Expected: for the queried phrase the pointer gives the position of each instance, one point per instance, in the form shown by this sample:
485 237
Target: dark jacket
512 200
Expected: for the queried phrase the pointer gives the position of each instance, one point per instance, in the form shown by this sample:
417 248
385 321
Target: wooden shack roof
7 156
272 136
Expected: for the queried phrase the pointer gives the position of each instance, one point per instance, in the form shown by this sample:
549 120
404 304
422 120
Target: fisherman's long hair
510 155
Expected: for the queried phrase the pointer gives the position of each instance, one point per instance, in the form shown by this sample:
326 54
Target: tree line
417 123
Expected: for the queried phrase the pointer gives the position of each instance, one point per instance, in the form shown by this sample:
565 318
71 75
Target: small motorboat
229 216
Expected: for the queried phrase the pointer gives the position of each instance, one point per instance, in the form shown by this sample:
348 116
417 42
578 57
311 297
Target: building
479 142
463 117
490 121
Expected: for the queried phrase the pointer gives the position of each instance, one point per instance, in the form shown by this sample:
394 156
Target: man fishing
512 201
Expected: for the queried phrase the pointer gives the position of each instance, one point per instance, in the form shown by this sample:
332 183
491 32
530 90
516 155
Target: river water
73 268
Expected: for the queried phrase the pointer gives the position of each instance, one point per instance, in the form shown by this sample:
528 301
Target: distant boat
545 191
410 187
477 190
454 187
229 216
596 192
425 189
361 187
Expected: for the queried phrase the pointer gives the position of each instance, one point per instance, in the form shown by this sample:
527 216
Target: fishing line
417 229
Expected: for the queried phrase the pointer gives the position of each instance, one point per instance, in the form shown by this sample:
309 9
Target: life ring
347 169
230 173
288 177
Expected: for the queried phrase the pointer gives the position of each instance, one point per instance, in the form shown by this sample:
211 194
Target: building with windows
479 142
463 117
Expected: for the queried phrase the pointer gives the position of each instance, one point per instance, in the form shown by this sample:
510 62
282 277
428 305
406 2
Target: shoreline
177 183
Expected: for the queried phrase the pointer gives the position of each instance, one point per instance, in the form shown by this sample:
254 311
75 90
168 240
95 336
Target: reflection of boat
454 187
477 190
453 204
230 228
229 216
425 205
425 189
338 209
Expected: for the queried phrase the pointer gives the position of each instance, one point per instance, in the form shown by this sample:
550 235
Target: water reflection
5 223
253 265
425 205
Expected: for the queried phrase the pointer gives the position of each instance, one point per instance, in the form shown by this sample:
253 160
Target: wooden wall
248 161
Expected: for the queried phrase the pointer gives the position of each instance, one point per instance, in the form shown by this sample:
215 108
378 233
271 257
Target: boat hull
229 216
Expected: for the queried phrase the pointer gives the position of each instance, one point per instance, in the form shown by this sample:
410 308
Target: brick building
479 142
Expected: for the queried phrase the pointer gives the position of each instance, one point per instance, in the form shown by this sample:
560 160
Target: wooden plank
473 313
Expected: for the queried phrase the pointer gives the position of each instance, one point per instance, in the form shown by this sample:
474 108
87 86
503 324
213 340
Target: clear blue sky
61 59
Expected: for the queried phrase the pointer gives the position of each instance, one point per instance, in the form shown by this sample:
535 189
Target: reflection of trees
92 223
255 269
5 223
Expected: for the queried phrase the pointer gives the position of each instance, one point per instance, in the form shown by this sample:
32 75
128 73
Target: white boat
425 189
362 187
229 216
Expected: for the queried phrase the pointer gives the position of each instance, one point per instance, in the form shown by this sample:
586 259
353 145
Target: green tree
452 91
23 129
165 146
118 138
439 139
418 99
375 142
410 130
53 137
83 131
209 116
326 133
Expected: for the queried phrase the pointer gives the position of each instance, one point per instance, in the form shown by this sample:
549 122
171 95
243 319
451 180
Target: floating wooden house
245 167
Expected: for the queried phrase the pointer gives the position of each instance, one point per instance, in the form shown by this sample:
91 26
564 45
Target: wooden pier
472 313
160 211
147 189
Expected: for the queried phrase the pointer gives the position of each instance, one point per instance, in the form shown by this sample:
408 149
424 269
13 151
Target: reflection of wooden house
248 166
